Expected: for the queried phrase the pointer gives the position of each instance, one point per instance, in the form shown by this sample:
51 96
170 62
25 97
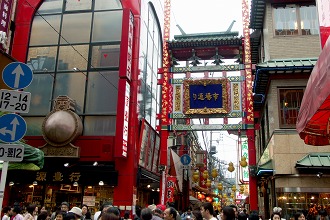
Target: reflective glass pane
50 6
42 59
105 56
100 125
34 125
76 28
72 85
309 23
41 90
77 5
107 26
107 4
102 93
285 21
44 34
71 57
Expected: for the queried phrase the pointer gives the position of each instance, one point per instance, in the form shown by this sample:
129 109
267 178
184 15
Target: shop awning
313 119
265 169
314 160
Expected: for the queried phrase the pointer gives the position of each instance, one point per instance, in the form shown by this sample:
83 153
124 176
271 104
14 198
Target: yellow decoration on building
208 183
214 173
243 162
205 174
220 187
195 176
231 167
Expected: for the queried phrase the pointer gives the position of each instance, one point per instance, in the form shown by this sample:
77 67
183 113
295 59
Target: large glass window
149 62
74 50
295 20
290 102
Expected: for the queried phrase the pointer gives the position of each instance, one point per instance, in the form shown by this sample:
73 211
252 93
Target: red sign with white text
170 187
323 8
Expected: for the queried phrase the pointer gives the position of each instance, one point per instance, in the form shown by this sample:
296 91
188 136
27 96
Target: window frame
298 20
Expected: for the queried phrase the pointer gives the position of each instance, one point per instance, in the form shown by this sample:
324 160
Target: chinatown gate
206 96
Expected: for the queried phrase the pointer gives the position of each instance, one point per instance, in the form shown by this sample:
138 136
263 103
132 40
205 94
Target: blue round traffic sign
185 159
12 128
17 75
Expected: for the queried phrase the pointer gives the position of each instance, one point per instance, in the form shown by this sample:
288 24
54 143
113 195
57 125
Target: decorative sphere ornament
208 183
195 176
220 187
233 188
214 173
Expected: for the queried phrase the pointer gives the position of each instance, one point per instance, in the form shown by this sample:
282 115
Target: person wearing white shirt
207 211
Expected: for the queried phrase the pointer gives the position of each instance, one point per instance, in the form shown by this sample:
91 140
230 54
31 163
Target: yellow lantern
205 174
214 173
233 188
231 167
241 189
195 176
208 183
220 186
243 162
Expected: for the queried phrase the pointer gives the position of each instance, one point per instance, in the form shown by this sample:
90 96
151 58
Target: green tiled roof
314 160
295 62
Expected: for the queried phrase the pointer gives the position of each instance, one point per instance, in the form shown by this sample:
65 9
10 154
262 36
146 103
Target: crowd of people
160 212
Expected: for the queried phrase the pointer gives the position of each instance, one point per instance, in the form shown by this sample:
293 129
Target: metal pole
3 182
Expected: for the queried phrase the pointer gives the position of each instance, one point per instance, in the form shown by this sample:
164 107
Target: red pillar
253 191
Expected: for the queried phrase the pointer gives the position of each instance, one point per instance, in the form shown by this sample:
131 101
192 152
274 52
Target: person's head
77 212
138 210
84 209
126 215
228 213
207 210
323 214
42 216
299 216
197 215
109 216
16 210
188 210
170 213
146 214
60 215
277 210
113 210
30 209
65 206
6 210
241 216
158 212
254 215
235 210
275 216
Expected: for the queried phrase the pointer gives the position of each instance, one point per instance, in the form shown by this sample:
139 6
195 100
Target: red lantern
208 199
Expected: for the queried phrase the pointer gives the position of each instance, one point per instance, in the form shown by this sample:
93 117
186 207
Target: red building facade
95 62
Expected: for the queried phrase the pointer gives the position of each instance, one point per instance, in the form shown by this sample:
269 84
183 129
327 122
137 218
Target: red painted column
167 93
248 99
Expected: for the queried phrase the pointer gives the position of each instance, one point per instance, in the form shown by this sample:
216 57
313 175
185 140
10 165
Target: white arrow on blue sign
185 159
17 75
12 128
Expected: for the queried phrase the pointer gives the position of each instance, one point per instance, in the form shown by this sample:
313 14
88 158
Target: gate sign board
11 152
205 96
14 101
12 128
17 75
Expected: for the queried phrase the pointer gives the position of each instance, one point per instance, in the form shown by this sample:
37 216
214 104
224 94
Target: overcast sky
200 16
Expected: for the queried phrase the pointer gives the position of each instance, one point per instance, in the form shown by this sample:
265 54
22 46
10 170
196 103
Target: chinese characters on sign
130 47
209 96
245 153
5 13
170 186
58 176
126 117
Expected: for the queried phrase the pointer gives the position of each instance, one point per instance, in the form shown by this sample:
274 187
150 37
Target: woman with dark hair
228 213
29 212
299 216
275 216
109 216
241 216
6 213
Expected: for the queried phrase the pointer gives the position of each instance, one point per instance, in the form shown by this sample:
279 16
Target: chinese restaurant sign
170 188
205 96
5 13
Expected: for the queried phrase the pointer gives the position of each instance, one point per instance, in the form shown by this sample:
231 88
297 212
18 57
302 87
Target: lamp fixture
148 186
66 164
95 163
11 183
35 183
319 175
157 189
101 183
75 184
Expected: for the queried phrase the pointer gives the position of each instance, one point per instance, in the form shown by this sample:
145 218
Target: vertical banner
126 45
122 119
5 14
323 8
170 188
245 153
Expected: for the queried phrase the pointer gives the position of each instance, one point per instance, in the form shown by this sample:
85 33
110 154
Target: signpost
13 127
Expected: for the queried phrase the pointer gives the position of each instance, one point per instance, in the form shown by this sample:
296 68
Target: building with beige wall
285 45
